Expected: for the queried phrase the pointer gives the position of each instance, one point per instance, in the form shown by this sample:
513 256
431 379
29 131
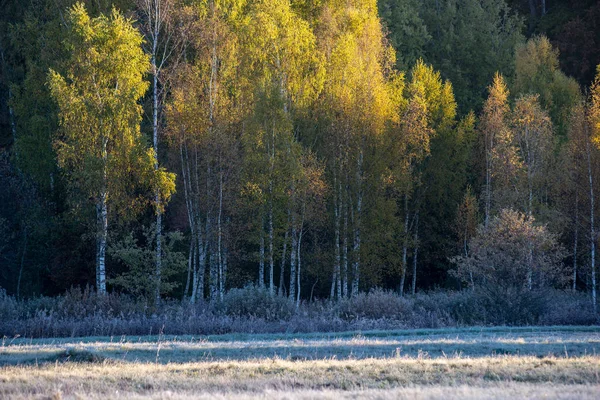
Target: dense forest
316 148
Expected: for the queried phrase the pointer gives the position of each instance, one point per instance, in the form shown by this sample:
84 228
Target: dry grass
541 363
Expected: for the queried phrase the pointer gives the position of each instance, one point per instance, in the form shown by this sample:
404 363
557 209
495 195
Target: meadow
500 362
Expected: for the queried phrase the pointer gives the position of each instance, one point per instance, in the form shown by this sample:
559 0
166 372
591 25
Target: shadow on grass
467 343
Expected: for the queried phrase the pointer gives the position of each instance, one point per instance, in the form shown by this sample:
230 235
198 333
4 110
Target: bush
256 302
254 310
377 303
568 308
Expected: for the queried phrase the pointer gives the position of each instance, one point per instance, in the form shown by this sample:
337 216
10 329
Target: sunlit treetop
98 93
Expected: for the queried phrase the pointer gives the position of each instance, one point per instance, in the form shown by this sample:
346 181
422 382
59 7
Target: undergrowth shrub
256 302
253 310
377 303
568 308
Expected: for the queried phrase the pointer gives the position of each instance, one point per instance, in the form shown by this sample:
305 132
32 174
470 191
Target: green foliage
466 40
537 72
139 259
98 96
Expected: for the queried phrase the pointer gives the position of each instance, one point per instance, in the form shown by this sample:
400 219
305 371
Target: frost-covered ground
561 362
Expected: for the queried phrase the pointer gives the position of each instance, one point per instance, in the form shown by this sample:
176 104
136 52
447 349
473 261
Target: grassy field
554 363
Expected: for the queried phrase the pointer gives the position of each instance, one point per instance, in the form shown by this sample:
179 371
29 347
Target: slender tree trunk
201 240
344 268
224 277
212 259
293 255
488 185
298 258
202 249
543 7
575 240
158 266
404 246
190 213
211 240
261 260
271 205
532 9
281 288
97 252
195 277
530 162
191 258
336 286
271 251
220 238
194 221
158 255
155 18
333 281
466 250
22 262
592 226
414 270
102 216
357 223
213 273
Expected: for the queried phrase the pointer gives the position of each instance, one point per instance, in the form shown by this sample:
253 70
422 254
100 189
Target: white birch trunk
281 288
191 257
344 267
575 240
293 255
404 246
271 231
271 251
298 258
338 273
261 261
357 223
416 244
592 225
158 255
220 238
224 277
202 247
102 216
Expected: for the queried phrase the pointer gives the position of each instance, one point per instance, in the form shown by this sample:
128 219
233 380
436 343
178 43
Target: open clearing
553 363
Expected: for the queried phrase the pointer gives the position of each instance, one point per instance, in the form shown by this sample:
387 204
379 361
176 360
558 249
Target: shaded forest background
319 148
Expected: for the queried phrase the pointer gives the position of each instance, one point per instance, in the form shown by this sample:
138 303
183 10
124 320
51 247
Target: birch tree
285 67
99 145
533 136
492 125
593 119
429 108
359 106
203 115
465 228
156 20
